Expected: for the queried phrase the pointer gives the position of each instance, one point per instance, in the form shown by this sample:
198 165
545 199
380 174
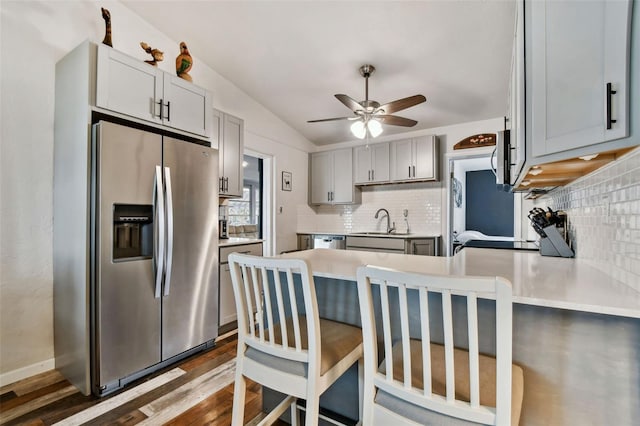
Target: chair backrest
282 294
393 323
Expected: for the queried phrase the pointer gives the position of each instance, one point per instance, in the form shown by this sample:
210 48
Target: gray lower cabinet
305 241
227 320
428 246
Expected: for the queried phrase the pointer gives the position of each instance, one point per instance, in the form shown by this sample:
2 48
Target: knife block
554 244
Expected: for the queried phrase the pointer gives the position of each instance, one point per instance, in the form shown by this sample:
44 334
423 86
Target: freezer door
126 313
190 293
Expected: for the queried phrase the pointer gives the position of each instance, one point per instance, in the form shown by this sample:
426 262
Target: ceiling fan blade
351 103
400 104
332 119
396 121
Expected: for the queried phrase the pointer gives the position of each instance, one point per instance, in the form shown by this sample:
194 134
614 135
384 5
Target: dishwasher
329 241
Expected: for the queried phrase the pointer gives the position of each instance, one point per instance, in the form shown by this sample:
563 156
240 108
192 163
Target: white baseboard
28 371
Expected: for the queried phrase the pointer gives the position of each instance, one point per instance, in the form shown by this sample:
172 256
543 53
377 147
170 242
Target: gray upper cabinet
577 86
515 114
228 131
414 159
371 163
331 177
131 87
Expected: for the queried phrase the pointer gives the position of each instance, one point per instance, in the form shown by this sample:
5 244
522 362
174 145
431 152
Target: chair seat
337 340
487 372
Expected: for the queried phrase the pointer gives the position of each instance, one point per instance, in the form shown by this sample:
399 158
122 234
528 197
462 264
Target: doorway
266 209
475 203
487 209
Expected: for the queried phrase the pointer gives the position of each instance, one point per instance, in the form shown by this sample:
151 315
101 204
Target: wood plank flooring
195 391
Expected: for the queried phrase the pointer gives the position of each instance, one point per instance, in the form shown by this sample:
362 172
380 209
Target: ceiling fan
369 114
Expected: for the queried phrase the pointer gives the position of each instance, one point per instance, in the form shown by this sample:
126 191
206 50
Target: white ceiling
293 56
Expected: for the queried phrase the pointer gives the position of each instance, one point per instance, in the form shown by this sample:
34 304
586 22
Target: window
245 211
248 210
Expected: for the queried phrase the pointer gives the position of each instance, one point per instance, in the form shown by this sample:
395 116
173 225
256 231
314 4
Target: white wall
604 218
34 35
461 167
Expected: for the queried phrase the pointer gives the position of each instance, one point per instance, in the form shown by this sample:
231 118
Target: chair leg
312 412
361 390
295 418
239 390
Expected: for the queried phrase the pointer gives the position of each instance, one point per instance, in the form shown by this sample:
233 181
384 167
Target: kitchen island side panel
579 367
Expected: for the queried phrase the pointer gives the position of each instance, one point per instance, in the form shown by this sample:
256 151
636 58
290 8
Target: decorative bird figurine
156 54
106 15
184 62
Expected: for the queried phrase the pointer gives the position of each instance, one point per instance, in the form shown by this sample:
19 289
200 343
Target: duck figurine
106 15
184 62
156 54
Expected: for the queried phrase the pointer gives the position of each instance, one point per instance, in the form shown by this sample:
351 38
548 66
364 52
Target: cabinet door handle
409 171
161 109
328 195
226 184
372 174
168 110
369 174
414 171
610 92
220 185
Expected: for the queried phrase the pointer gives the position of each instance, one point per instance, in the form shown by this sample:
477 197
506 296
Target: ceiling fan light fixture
358 129
375 128
370 113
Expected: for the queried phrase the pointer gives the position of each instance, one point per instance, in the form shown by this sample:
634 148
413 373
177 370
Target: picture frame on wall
287 181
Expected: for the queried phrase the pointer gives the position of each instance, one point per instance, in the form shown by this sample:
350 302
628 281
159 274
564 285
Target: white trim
28 371
450 158
268 202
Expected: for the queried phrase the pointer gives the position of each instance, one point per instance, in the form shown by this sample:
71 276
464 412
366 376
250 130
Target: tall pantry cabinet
93 83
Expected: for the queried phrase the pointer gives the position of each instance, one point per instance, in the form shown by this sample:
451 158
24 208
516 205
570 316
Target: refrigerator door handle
159 250
169 261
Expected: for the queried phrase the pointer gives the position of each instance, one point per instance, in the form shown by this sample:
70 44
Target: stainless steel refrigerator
154 218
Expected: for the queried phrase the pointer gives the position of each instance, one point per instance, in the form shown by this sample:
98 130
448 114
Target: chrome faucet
389 227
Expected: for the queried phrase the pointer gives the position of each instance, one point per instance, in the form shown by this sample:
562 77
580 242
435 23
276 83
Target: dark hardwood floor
195 391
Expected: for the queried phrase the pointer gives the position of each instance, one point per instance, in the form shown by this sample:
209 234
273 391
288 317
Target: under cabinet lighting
535 172
525 183
588 157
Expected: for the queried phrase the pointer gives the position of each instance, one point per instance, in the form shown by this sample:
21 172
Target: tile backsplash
604 217
423 202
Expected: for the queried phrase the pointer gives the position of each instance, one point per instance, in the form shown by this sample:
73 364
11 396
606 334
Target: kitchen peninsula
576 330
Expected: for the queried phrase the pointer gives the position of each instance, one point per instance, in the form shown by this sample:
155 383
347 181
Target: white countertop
235 241
374 235
537 280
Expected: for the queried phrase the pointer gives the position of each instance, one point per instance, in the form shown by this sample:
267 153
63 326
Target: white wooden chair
420 382
286 346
